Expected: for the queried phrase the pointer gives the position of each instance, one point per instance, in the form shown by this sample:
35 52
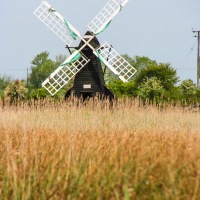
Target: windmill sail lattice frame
56 23
116 63
77 61
105 16
63 74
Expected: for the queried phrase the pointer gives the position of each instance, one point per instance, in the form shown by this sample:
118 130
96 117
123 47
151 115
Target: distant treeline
155 83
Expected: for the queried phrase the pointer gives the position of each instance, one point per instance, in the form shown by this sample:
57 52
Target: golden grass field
92 151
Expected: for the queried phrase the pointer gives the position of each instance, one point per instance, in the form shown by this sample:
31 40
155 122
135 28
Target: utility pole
198 57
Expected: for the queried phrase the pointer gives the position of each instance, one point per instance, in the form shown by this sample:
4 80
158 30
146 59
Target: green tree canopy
152 89
129 59
60 59
139 62
142 62
151 80
41 69
16 90
188 91
163 72
4 81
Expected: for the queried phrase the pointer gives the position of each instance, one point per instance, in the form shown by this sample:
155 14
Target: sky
158 29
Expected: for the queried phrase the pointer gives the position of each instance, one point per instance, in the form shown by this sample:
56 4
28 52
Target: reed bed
92 150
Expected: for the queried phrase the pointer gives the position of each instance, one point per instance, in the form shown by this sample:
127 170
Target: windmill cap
89 33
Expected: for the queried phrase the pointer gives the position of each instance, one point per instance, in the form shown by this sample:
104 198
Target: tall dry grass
93 151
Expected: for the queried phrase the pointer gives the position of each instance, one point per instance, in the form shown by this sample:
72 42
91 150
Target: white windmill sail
105 16
116 63
65 72
57 23
67 33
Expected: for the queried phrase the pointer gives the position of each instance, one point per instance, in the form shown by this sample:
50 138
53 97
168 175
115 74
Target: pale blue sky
158 29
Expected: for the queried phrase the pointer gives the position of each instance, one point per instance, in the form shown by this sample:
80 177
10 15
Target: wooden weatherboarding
84 64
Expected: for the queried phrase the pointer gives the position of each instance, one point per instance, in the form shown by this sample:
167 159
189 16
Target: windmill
85 63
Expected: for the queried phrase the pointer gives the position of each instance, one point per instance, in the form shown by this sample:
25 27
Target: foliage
4 81
142 62
164 72
152 89
129 59
188 91
16 91
117 87
139 62
188 88
39 93
42 93
41 69
152 80
1 93
121 89
110 77
60 59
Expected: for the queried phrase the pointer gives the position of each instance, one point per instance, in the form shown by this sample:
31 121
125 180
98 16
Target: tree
147 70
16 91
60 59
163 72
122 89
142 62
129 59
139 62
41 69
4 81
188 91
40 93
152 89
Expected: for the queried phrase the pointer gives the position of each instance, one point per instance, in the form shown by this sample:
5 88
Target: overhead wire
186 59
12 69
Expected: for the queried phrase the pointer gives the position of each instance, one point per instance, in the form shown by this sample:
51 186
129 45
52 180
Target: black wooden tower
89 81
